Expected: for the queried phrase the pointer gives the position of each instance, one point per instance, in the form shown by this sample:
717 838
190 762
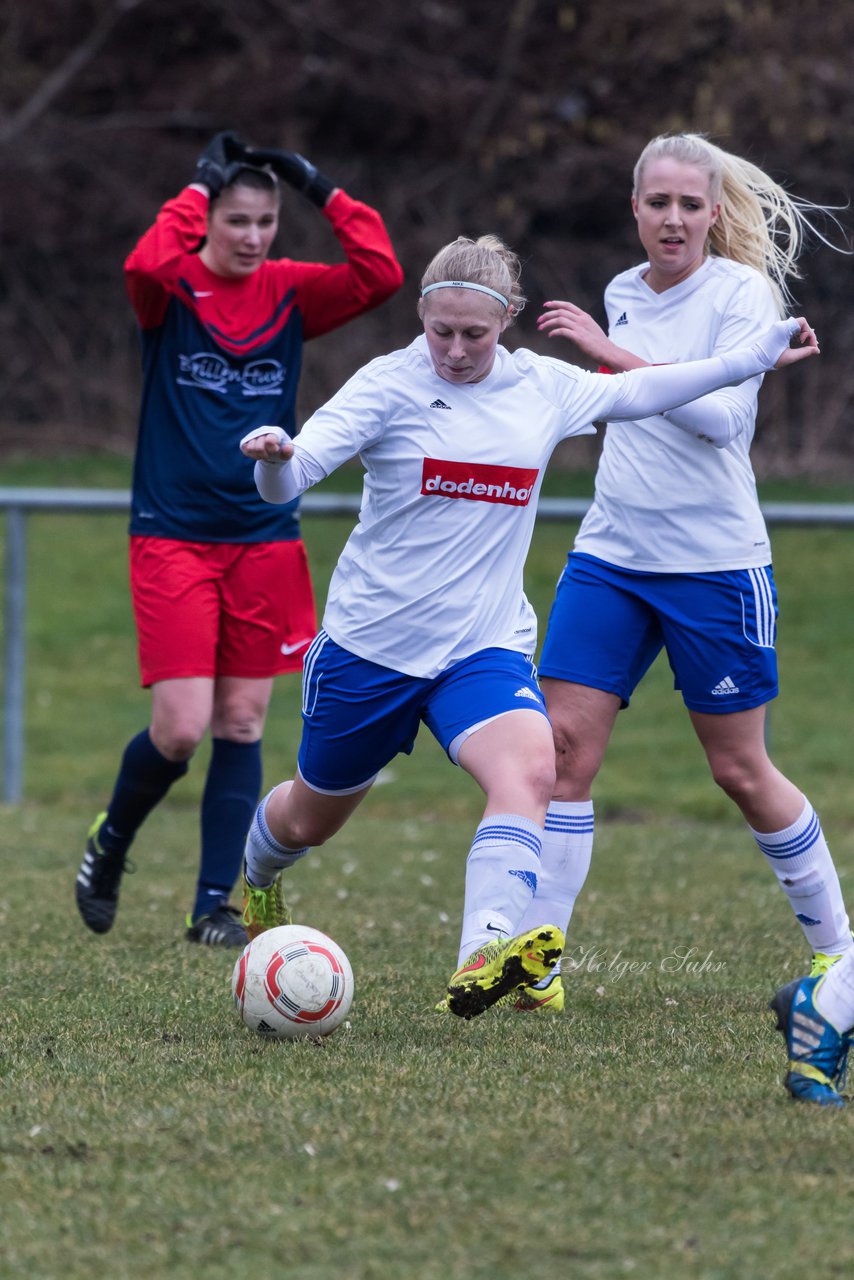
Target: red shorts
220 608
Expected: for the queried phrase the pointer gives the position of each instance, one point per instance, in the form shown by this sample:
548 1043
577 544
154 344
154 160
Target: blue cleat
818 1053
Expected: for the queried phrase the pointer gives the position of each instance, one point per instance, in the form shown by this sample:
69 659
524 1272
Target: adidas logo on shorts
526 693
726 686
622 320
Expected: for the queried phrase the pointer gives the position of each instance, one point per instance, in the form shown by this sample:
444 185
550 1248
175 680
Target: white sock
834 995
265 857
564 864
803 866
501 877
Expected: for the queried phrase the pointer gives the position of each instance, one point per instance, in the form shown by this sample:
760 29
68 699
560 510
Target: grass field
646 1133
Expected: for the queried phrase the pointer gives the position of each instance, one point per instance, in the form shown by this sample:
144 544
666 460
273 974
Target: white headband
466 284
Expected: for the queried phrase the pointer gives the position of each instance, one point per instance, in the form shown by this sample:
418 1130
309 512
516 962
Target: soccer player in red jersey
222 326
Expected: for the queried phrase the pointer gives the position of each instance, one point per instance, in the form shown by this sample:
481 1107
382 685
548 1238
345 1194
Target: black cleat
222 928
98 881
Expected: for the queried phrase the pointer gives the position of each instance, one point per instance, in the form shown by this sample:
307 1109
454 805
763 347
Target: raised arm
151 268
330 295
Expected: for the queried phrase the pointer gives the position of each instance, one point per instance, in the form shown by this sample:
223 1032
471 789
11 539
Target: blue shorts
357 716
607 625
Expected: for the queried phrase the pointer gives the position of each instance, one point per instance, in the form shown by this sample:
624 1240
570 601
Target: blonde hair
759 224
486 261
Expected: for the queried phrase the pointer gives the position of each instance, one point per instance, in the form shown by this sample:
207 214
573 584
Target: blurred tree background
451 116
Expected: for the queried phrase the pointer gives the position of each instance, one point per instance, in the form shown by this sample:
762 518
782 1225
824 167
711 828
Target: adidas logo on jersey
526 693
726 686
439 404
624 319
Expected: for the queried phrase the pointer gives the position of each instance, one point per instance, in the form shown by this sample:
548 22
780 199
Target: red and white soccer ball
292 982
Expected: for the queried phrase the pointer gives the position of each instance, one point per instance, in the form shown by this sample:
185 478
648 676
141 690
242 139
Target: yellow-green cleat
264 909
504 967
821 962
548 999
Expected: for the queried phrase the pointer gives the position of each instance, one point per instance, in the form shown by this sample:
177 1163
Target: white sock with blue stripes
501 876
803 866
265 857
564 864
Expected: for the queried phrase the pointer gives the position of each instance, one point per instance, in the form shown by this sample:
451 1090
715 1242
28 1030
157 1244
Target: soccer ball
292 982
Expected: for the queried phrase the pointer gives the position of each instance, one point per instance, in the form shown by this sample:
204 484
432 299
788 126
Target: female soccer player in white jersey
426 617
673 552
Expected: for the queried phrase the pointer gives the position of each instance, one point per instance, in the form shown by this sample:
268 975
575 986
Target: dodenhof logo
478 481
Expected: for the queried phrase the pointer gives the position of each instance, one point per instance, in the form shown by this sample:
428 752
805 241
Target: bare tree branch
517 28
62 76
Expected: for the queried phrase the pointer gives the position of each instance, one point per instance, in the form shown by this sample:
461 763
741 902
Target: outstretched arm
657 388
716 417
565 320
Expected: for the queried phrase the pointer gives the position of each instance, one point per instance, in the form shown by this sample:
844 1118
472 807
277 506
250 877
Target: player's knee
576 763
177 740
736 777
306 832
542 778
240 731
240 720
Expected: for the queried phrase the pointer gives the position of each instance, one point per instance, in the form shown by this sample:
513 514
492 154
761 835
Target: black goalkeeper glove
294 169
221 159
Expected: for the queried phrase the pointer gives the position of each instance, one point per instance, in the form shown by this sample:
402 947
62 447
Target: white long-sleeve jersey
433 571
676 493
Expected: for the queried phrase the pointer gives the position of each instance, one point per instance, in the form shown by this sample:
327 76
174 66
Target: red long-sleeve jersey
223 355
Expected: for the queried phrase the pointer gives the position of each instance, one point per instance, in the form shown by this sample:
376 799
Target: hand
565 320
221 159
294 169
267 444
799 330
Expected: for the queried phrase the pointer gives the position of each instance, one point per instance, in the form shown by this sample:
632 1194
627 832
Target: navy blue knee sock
231 794
144 778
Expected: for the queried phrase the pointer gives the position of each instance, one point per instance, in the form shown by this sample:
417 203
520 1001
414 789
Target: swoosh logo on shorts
292 648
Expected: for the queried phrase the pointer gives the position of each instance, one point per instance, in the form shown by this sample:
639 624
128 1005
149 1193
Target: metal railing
18 503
